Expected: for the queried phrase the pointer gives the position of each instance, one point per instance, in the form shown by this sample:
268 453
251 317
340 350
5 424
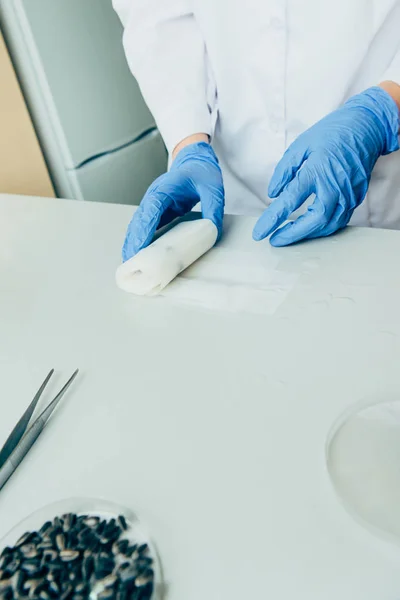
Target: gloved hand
334 160
194 176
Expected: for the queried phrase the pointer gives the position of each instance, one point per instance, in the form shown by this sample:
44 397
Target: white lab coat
254 74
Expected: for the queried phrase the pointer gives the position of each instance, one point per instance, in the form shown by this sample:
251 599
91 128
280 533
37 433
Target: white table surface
211 426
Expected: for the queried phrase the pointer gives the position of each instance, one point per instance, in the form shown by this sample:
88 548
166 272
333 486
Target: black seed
32 584
49 556
88 567
132 550
150 573
7 550
29 551
45 544
69 521
87 536
69 555
4 561
143 549
60 541
67 593
54 588
41 586
109 581
104 565
147 592
54 568
128 574
91 521
58 523
106 595
31 566
72 539
73 576
89 540
104 556
123 546
25 539
45 528
144 561
13 566
111 533
101 527
122 522
111 524
5 584
141 581
54 533
104 541
80 587
19 580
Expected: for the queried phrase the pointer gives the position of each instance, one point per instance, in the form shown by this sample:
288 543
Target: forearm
393 89
191 139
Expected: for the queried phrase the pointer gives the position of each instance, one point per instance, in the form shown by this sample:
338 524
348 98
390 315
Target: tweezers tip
71 379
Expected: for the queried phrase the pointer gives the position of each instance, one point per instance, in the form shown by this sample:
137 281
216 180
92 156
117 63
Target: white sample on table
151 269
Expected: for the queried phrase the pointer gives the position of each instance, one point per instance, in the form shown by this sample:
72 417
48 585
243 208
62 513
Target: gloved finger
290 200
169 215
212 199
287 167
144 223
178 208
339 220
313 221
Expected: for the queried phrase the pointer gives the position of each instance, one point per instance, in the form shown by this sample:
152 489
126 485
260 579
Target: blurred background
73 123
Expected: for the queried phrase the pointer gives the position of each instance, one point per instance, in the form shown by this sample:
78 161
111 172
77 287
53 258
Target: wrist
393 89
191 139
379 104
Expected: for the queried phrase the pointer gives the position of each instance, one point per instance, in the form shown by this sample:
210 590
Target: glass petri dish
136 532
363 460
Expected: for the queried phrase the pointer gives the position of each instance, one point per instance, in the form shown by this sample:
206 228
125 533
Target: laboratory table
211 424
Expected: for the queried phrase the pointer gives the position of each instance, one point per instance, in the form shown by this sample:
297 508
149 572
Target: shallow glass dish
136 532
363 459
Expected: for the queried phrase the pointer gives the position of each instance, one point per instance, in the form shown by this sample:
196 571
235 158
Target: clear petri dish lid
135 534
363 459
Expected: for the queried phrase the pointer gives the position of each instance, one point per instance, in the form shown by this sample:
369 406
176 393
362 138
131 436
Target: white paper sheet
238 275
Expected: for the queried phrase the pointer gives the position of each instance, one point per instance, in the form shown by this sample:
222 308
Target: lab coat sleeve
166 53
393 72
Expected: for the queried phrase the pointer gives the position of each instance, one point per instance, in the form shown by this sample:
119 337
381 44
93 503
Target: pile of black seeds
80 558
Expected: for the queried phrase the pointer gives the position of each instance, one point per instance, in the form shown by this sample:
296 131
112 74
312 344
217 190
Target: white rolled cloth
151 269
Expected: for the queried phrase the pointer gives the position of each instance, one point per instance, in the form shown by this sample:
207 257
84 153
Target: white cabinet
85 103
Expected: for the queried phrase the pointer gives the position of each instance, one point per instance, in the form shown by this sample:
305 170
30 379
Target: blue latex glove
195 176
334 160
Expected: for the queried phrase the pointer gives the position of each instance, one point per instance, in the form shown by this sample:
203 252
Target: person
299 101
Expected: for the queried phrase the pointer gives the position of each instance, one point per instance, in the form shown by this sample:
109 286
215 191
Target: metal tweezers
22 438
